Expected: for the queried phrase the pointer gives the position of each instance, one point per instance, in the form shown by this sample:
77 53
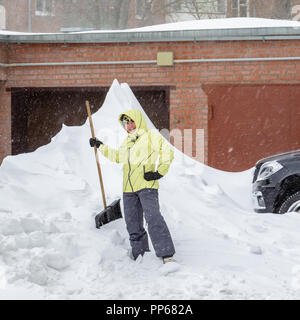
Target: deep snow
50 249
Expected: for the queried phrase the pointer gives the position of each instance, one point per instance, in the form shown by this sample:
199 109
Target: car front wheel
291 204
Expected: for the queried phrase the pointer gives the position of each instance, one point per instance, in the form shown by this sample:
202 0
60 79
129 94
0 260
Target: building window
296 13
221 6
45 7
240 8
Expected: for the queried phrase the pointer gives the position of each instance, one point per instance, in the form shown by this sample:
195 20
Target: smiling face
130 126
132 121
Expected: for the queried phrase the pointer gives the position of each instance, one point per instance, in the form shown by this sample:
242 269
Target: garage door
247 123
39 113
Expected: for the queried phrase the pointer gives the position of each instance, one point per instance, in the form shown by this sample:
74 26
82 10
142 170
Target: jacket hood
139 119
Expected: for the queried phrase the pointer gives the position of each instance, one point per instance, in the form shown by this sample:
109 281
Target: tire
291 204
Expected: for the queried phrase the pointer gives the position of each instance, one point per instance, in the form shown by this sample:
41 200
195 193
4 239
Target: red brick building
241 86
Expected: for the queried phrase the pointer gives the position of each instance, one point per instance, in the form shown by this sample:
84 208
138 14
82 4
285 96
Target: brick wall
3 59
188 102
5 121
5 144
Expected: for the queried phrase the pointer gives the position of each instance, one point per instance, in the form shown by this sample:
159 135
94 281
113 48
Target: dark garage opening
39 113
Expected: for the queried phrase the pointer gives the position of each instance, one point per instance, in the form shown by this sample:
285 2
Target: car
276 183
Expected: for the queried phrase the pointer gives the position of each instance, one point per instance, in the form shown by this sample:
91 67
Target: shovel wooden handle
96 152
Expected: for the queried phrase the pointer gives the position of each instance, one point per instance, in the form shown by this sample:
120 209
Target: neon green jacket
139 153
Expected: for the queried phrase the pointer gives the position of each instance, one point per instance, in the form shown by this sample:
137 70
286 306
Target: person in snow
139 153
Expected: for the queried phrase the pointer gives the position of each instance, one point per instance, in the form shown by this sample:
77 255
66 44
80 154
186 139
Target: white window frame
45 12
239 5
296 12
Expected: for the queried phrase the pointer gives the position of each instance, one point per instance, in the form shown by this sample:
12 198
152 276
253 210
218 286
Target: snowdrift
50 249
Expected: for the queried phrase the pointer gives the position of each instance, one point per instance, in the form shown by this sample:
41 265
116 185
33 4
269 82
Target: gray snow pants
135 203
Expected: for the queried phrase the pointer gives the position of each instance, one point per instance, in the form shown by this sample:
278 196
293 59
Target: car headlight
268 169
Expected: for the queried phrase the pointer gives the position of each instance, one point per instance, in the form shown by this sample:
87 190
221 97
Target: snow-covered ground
50 248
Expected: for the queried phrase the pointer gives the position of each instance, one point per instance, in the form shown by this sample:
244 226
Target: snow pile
50 249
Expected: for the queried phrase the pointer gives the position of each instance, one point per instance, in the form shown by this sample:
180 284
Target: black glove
95 142
152 175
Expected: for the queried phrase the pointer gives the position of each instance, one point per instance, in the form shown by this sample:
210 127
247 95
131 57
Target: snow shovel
113 211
